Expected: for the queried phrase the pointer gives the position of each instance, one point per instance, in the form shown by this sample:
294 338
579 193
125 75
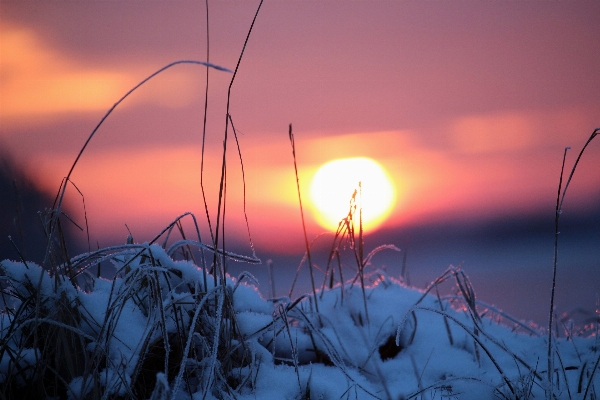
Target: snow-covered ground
167 329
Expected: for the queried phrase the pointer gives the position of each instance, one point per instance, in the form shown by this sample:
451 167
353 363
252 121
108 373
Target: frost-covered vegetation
166 329
170 323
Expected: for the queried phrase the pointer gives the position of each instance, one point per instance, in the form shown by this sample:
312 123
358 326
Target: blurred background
468 106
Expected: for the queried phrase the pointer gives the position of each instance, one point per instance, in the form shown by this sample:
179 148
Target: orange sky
468 106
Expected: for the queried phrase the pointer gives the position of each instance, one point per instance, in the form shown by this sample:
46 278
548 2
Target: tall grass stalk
204 120
222 184
310 264
360 255
560 198
237 143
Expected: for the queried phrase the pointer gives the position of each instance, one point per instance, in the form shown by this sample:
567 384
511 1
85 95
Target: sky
468 106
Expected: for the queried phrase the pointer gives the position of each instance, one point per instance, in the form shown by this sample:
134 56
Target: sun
334 183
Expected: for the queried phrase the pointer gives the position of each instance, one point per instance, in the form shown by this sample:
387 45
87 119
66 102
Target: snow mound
167 329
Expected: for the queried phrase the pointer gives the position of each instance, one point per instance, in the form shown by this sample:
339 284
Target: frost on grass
167 329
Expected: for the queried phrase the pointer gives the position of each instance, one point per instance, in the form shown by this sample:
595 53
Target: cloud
38 81
503 132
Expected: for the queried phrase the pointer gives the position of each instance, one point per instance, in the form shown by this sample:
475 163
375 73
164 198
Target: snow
385 340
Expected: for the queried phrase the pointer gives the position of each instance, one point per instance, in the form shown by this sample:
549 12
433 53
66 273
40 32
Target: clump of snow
382 341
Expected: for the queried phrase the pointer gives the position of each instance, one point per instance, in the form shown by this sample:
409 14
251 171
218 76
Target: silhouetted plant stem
310 264
560 198
210 229
222 183
361 264
243 185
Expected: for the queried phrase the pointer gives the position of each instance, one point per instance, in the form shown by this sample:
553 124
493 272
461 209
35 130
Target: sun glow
334 184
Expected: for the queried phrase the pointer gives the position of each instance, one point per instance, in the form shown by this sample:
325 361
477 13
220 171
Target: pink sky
468 105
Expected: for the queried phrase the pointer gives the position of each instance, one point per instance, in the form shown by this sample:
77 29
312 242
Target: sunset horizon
467 107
